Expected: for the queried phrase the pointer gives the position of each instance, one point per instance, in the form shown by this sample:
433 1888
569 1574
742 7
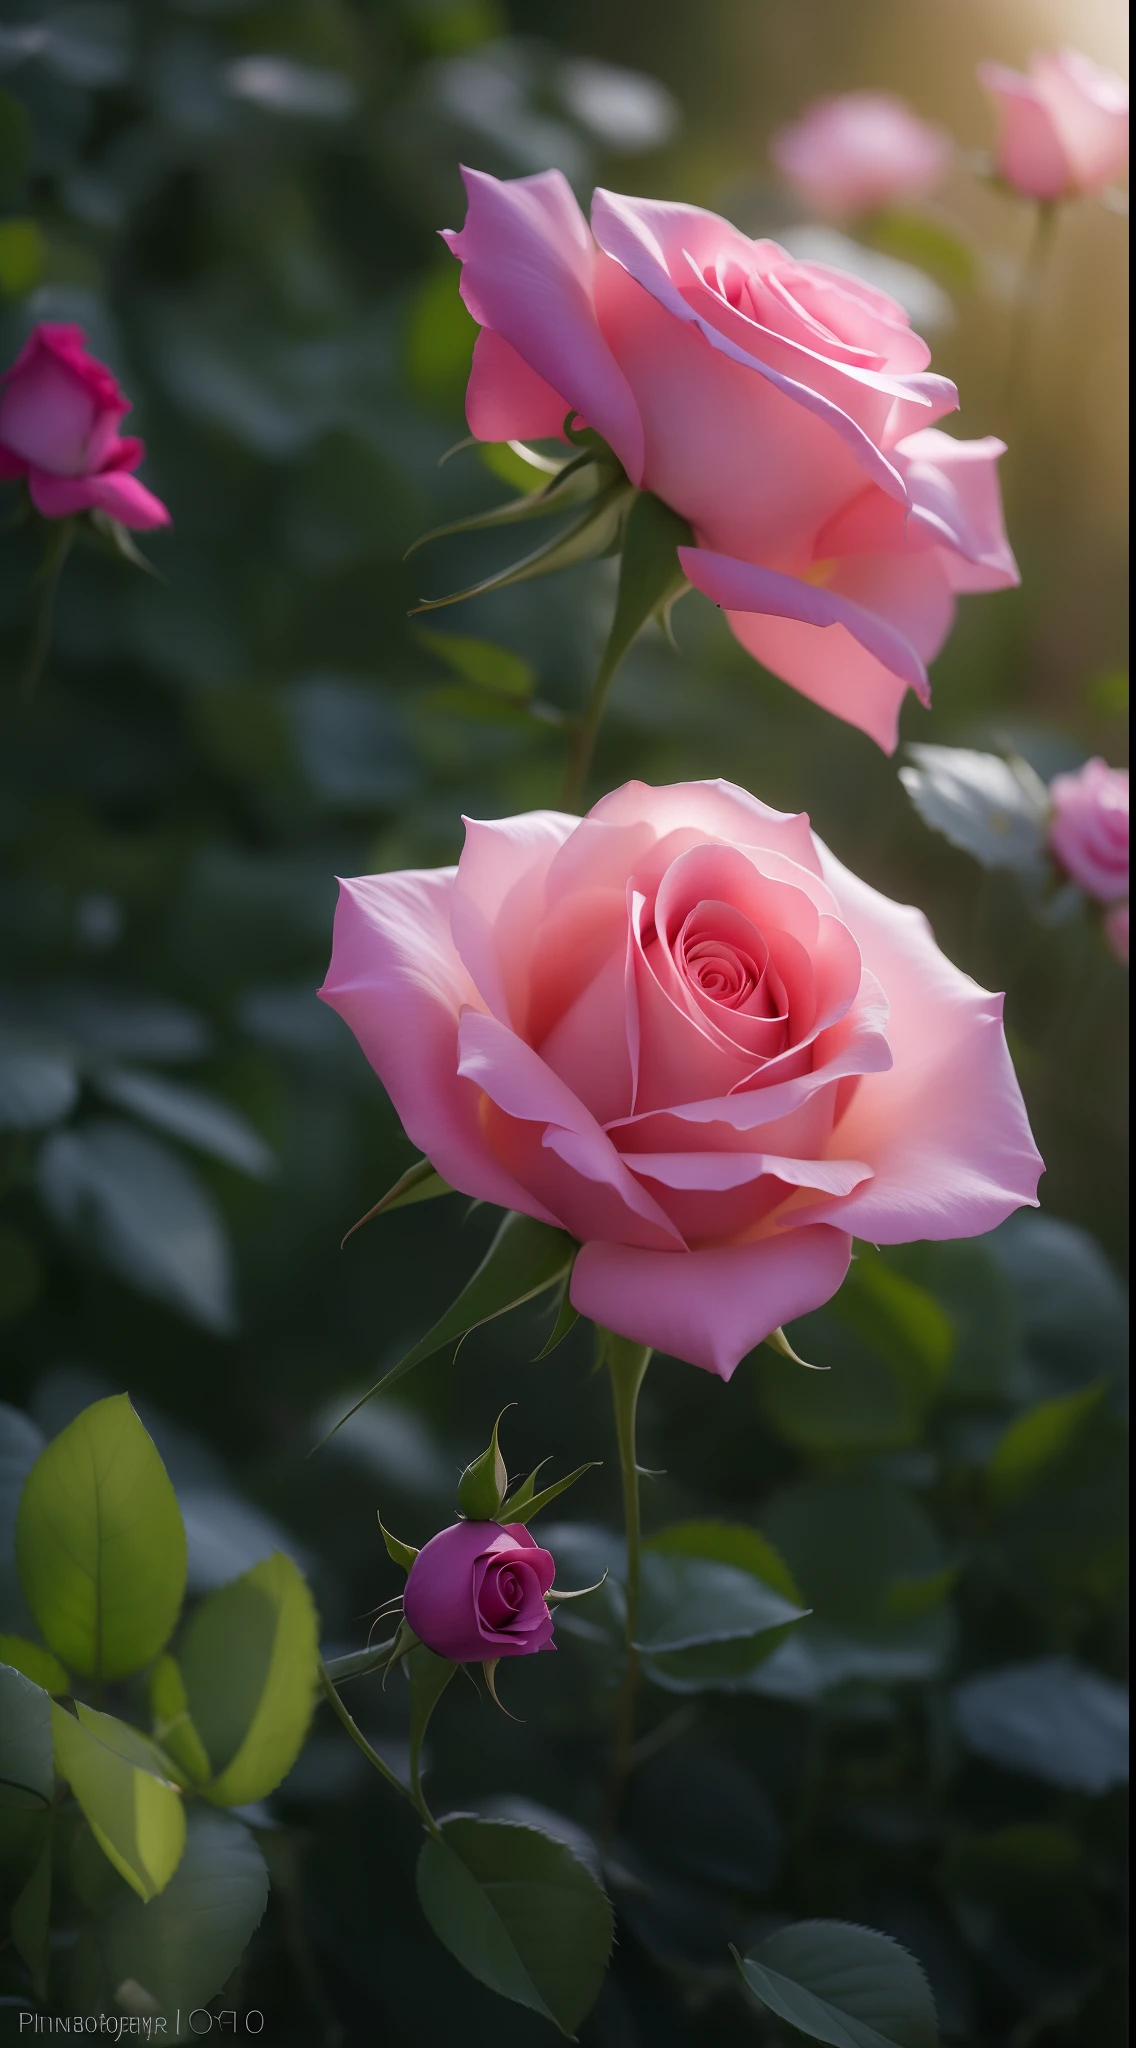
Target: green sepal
524 1258
778 1342
429 1676
360 1663
556 1594
489 1673
485 1482
404 1642
566 1318
525 1503
651 578
399 1553
419 1183
595 531
570 484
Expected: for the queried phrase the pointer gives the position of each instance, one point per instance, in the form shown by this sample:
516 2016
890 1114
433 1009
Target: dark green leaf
182 1946
200 1119
25 1738
694 1810
20 1445
732 1543
31 1920
903 1322
1053 1719
521 1912
100 1543
126 1788
35 1662
847 1986
650 574
248 1660
144 1213
705 1622
1037 1441
524 1258
36 1089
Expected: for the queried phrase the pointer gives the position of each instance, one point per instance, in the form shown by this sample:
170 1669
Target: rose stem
626 1363
55 554
1027 300
372 1755
585 733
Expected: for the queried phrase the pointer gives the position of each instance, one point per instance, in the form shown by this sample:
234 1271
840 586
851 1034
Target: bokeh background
239 202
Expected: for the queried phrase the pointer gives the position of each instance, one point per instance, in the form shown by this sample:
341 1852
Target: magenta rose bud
59 417
1088 834
860 150
1062 128
476 1592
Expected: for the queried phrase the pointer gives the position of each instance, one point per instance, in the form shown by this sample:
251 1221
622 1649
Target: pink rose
59 415
1116 930
1088 832
1063 129
682 1031
860 150
476 1591
784 409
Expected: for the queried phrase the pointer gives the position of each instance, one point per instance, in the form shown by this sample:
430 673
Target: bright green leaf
847 1986
521 1912
928 243
183 1945
524 1258
173 1727
35 1662
481 662
125 1787
248 1661
100 1543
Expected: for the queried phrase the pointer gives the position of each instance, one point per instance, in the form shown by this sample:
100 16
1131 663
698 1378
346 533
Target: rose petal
505 400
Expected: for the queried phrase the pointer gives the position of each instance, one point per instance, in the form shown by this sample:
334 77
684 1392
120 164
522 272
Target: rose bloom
476 1592
784 409
682 1031
860 150
1063 129
1088 832
59 415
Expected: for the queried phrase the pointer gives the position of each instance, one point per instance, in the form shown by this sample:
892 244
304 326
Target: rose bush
783 408
1062 128
858 150
477 1591
59 415
682 1031
1088 832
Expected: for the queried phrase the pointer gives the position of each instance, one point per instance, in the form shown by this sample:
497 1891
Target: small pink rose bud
477 1591
59 415
1088 832
1116 931
1062 128
858 151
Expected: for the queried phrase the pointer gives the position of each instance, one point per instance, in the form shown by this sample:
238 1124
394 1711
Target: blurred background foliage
239 202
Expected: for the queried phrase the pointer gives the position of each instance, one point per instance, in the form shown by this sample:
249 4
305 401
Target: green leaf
904 1323
705 1620
1036 1442
419 1183
848 1540
732 1543
525 1503
248 1660
439 338
994 810
591 534
1053 1719
100 1543
31 1920
36 1089
521 1912
524 1258
484 1483
203 1120
25 1740
183 1945
143 1212
650 574
847 1986
887 1344
126 1789
929 244
20 1445
35 1662
482 663
173 1727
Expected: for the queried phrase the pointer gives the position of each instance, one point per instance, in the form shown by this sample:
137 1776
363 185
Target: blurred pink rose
682 1031
860 150
476 1592
1116 930
1088 832
59 415
1063 129
783 408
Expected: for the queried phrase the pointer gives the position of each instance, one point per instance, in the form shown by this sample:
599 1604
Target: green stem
55 554
585 732
626 1363
1026 303
372 1755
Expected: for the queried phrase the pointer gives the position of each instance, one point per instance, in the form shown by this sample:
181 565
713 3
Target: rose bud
1063 129
59 415
860 150
1088 832
476 1592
